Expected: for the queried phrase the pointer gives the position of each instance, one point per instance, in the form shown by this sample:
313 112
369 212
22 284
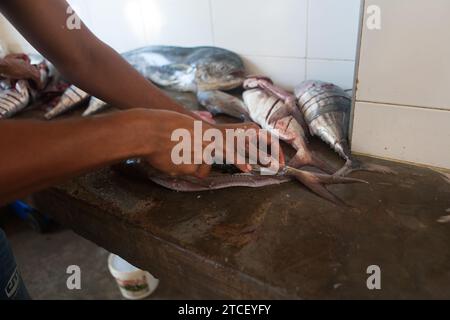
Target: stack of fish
13 98
174 68
16 95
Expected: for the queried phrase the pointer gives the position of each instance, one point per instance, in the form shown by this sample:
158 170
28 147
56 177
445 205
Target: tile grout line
297 58
403 105
307 40
211 20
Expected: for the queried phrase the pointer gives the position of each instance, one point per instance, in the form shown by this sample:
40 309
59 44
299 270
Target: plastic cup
134 284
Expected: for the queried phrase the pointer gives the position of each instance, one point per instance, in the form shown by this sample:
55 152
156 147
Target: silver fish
53 76
95 105
14 100
71 98
223 177
189 69
218 102
326 109
5 84
275 116
182 69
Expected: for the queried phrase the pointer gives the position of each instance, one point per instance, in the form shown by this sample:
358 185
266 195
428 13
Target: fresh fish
189 69
14 100
179 69
95 105
53 75
71 98
218 102
266 84
223 177
326 109
5 84
275 116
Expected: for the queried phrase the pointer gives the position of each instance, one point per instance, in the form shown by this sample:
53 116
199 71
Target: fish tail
353 165
95 106
302 159
316 182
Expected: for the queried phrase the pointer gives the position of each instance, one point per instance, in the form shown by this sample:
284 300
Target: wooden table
275 242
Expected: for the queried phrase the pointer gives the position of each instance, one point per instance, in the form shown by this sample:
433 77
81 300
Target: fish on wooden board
72 97
326 109
182 69
95 105
222 177
189 69
226 176
218 102
14 99
274 115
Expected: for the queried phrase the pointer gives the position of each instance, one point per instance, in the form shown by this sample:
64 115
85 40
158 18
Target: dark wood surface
274 242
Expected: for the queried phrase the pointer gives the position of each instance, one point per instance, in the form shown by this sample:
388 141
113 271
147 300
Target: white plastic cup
134 284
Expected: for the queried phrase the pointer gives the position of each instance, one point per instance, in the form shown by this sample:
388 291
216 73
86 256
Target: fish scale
14 100
71 98
326 109
178 68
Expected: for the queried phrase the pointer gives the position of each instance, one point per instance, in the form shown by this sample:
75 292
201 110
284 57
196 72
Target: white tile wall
407 61
274 28
289 40
12 39
284 71
333 29
417 135
402 110
335 71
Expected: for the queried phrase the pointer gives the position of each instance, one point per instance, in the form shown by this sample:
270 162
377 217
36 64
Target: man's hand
157 144
17 67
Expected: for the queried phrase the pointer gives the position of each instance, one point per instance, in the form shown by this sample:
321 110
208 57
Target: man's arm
82 58
37 154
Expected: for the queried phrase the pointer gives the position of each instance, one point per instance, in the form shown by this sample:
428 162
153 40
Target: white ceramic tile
119 23
286 72
340 73
333 28
255 27
410 134
407 61
12 39
177 22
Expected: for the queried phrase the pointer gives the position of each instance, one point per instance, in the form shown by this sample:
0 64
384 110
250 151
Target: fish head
220 73
332 128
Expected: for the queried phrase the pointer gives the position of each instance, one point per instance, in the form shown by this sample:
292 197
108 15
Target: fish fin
180 77
356 165
269 87
218 102
301 160
316 182
206 116
95 106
